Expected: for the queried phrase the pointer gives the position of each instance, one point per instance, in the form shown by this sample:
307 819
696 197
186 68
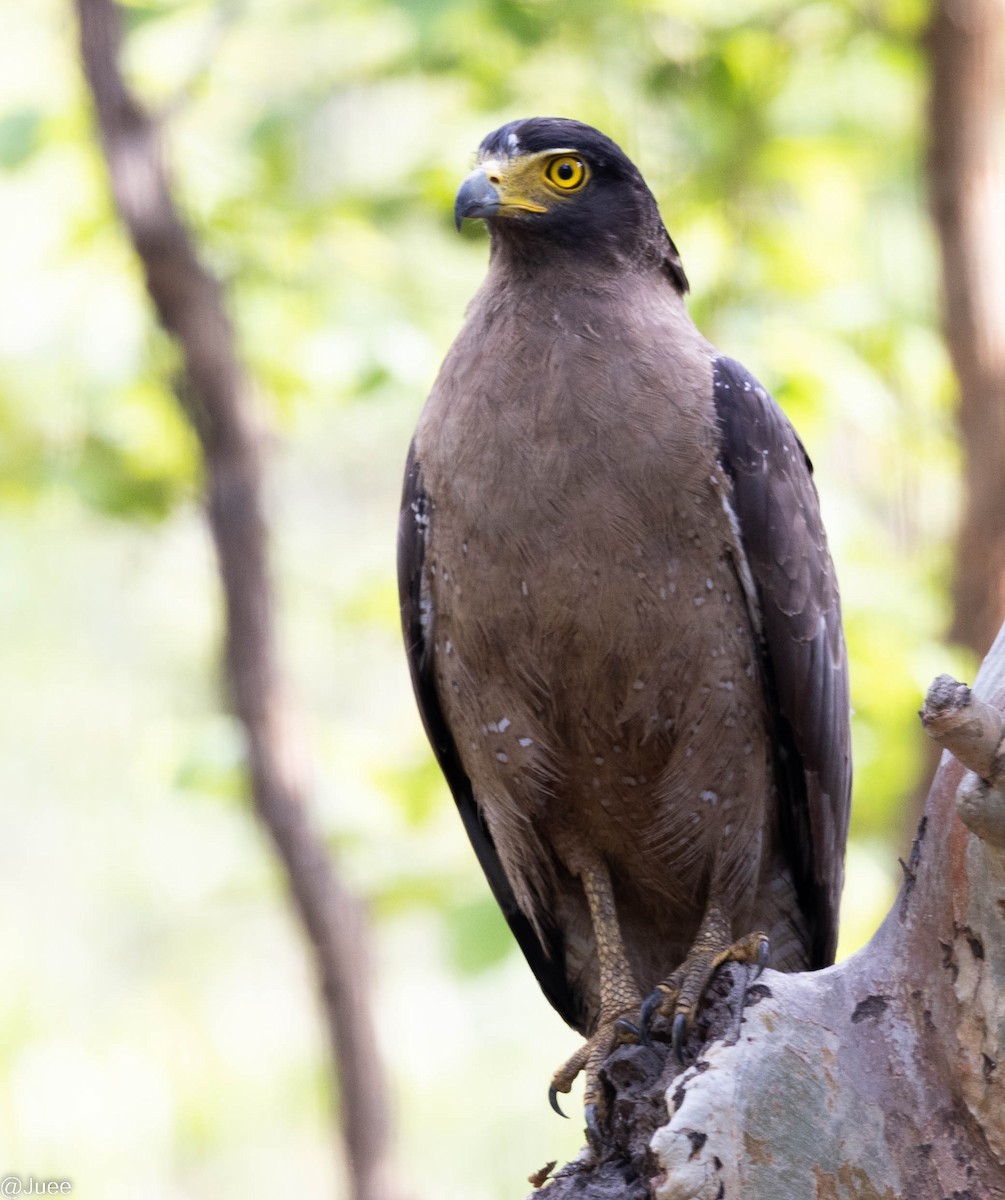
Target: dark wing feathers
547 960
805 663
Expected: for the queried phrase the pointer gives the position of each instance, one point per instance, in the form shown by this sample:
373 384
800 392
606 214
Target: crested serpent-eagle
619 609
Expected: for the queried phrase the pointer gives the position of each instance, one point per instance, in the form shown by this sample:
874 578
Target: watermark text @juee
32 1185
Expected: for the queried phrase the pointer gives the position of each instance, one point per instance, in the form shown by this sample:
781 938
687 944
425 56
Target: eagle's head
549 187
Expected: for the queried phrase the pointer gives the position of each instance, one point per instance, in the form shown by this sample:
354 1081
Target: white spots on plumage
668 724
689 752
421 511
512 143
446 575
523 587
748 748
504 724
629 780
425 613
699 601
740 559
503 758
709 584
749 670
638 685
663 593
596 782
524 742
449 647
464 547
725 685
599 760
709 797
499 726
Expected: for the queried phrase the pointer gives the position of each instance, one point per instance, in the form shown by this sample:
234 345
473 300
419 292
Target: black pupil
565 170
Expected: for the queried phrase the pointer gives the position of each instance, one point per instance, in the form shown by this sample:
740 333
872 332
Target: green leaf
20 137
478 936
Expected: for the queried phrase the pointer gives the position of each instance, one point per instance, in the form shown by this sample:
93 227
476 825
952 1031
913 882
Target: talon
650 1005
625 1032
553 1100
592 1124
763 954
679 1033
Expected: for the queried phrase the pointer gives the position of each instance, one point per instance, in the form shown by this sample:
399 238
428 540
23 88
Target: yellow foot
589 1058
679 995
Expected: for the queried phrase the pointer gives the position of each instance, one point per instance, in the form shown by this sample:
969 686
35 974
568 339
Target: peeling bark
883 1077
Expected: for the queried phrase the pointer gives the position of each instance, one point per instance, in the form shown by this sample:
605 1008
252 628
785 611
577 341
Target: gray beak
476 197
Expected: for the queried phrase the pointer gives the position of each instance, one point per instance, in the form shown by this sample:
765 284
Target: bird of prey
619 609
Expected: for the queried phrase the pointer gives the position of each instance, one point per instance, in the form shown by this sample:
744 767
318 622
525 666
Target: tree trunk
217 397
883 1077
967 195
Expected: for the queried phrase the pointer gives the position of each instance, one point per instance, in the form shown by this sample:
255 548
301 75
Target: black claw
553 1100
677 1040
627 1031
592 1124
763 954
649 1007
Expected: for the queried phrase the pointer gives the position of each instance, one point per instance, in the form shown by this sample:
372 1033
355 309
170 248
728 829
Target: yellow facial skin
531 183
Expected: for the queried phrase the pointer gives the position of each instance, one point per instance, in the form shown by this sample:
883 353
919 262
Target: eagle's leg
680 994
619 993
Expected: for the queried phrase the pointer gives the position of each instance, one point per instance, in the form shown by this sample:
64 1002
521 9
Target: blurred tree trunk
882 1078
966 187
967 194
216 395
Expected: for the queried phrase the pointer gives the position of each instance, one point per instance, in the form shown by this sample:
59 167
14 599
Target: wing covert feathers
804 658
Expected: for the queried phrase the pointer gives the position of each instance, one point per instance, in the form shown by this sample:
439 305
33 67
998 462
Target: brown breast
593 649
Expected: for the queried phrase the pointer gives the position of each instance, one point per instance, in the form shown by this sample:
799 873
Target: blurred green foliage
316 149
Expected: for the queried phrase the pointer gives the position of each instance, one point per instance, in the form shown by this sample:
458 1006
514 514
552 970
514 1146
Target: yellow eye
566 172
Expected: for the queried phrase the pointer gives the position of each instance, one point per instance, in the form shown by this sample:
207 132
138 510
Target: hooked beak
476 197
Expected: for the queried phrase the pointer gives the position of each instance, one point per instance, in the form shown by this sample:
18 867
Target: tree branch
217 396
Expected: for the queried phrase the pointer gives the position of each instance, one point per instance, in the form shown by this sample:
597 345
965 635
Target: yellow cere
531 183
